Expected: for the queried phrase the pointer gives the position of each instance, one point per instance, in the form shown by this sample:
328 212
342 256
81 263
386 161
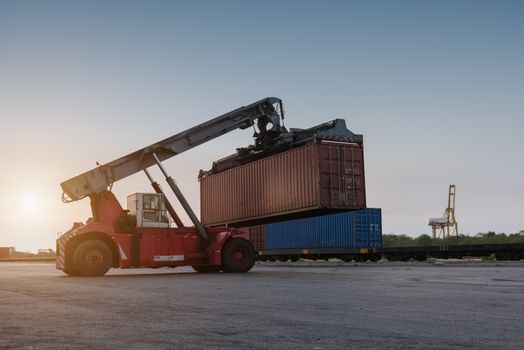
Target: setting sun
30 202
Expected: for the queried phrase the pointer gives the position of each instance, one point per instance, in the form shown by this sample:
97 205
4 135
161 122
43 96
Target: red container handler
309 180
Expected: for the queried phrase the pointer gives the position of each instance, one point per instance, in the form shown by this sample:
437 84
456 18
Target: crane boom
99 178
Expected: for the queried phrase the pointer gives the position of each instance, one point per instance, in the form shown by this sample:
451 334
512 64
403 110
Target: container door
341 176
375 222
362 229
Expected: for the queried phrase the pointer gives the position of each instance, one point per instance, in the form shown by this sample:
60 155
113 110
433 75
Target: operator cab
149 208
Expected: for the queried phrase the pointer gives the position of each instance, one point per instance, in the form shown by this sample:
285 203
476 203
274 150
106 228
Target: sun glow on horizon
30 202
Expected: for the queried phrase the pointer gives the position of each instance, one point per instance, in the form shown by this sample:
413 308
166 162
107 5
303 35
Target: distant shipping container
5 252
350 229
305 181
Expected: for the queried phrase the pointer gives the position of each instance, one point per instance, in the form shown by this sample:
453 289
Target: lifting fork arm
100 178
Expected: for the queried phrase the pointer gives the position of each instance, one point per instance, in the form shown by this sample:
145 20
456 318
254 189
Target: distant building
5 252
45 251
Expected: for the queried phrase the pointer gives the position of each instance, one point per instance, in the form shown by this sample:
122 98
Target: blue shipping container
349 229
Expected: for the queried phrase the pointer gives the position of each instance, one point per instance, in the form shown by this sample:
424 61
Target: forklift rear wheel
206 268
92 258
238 255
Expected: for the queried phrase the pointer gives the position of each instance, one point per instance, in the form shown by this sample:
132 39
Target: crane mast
442 225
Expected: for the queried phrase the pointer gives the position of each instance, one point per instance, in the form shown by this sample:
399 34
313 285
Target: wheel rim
239 254
94 258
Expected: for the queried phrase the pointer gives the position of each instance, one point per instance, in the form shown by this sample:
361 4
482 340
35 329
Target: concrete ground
365 306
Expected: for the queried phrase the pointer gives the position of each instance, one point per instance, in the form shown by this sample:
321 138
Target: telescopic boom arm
100 178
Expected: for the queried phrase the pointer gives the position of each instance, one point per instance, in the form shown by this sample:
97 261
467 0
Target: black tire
375 257
500 256
238 255
92 258
393 257
405 257
514 256
70 272
206 268
421 257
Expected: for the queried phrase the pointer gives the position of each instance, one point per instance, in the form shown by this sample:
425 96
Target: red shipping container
256 235
5 252
309 180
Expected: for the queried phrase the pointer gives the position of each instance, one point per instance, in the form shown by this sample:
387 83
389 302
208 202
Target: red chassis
103 242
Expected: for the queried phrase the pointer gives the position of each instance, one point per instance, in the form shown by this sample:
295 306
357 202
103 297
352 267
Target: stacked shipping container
5 252
299 198
309 180
348 229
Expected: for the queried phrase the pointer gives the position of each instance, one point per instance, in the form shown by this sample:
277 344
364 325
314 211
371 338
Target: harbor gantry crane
441 226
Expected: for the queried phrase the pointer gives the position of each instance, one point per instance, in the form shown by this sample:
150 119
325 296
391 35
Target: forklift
142 235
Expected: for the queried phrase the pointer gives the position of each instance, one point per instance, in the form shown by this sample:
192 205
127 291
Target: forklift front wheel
92 258
71 272
238 255
206 268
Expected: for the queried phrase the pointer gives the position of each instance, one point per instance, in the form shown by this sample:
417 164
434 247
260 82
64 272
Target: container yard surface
365 306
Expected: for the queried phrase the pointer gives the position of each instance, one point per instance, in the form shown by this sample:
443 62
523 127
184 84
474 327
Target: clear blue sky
437 89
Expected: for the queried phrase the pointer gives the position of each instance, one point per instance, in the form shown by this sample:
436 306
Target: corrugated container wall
350 229
305 181
5 252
